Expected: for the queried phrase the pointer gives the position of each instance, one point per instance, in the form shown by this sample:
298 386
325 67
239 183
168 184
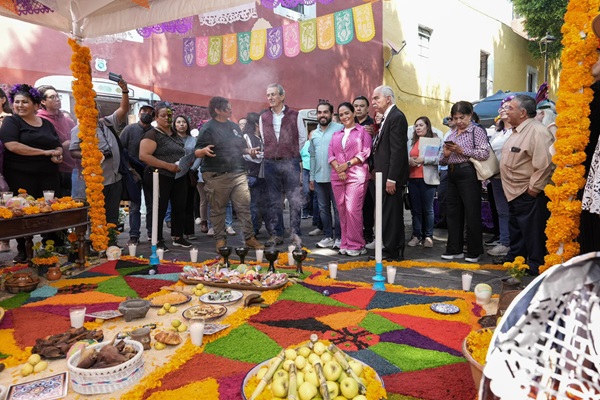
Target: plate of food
221 297
206 311
211 329
173 298
445 308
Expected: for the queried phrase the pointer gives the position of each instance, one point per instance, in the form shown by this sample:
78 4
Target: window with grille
424 39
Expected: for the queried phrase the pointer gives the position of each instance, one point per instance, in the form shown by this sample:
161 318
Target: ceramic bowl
134 308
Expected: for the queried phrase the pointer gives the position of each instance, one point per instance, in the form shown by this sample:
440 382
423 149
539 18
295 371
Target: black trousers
171 189
369 213
526 225
393 224
463 204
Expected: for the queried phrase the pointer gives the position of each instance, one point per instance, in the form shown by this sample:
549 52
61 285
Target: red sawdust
231 387
293 310
144 287
108 267
200 367
448 333
359 297
443 383
284 337
477 310
31 324
7 322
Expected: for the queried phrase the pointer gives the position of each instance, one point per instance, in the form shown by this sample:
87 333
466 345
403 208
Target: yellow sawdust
343 319
82 281
207 389
425 311
10 346
78 298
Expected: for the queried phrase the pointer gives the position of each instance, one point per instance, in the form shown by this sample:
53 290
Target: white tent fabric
93 18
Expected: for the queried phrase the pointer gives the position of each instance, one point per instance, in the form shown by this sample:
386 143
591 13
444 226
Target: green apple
287 363
360 397
333 389
311 377
326 357
299 378
176 323
200 286
319 348
332 371
307 391
281 373
279 387
313 358
166 306
340 398
356 366
349 388
300 362
343 376
304 351
290 354
261 372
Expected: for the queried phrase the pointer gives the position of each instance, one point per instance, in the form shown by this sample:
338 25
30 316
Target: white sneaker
370 246
472 259
326 242
230 231
498 250
414 241
197 221
210 233
448 256
315 232
356 253
428 242
337 244
342 252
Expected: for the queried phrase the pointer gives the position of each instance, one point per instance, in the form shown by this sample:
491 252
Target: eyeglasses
53 97
505 109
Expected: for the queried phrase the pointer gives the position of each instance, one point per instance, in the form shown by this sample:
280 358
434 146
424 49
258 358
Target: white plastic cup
259 255
291 248
77 316
160 253
391 274
6 196
197 332
291 260
194 255
467 277
48 195
132 249
332 270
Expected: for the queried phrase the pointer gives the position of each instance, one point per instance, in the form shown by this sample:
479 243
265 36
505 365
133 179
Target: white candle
259 255
132 249
391 274
194 255
333 270
155 208
48 195
160 253
291 248
378 215
467 277
77 315
197 332
290 258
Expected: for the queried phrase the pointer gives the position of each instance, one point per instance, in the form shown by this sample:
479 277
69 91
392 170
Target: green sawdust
244 343
16 301
378 324
116 286
305 295
129 270
409 358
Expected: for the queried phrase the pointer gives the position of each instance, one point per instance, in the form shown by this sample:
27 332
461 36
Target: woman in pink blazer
349 150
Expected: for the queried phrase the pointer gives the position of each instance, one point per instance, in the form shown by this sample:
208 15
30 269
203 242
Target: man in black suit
390 156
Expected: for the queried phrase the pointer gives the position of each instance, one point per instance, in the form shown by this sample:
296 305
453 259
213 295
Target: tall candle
160 253
378 215
154 207
290 258
194 255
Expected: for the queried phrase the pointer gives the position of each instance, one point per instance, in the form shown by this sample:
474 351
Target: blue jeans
283 176
135 217
307 195
259 203
421 197
503 212
228 215
326 202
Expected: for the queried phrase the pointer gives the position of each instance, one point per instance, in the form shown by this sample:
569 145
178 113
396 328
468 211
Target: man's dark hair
43 89
362 98
251 123
325 103
217 103
527 103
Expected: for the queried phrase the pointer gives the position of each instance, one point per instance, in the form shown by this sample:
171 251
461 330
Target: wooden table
30 225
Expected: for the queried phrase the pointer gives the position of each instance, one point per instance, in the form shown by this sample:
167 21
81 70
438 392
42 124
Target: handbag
486 168
406 199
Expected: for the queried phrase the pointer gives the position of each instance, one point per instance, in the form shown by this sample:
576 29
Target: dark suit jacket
391 154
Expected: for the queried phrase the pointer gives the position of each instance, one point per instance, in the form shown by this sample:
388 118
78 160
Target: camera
115 77
107 154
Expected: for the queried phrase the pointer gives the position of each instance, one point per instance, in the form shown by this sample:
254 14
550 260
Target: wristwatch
349 164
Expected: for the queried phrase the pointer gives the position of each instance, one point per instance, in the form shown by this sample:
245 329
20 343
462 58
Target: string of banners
304 36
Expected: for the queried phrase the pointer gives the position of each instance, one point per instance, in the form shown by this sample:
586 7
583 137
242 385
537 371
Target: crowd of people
252 166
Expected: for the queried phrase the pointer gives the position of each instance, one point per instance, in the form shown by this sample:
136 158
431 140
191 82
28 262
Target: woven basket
106 380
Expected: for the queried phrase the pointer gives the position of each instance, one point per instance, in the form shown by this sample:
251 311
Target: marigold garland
574 97
91 157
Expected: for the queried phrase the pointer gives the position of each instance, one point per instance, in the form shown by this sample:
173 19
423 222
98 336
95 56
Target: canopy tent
88 19
487 109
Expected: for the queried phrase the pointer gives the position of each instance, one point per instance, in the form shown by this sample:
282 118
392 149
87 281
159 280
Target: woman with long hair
181 126
423 179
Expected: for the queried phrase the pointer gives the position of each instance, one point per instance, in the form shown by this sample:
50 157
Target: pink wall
338 74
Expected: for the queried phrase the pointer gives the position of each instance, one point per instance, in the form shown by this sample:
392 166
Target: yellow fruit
159 345
34 359
173 309
182 328
162 311
204 291
176 323
200 286
166 306
39 367
27 369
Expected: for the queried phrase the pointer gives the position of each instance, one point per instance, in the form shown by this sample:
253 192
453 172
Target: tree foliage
541 17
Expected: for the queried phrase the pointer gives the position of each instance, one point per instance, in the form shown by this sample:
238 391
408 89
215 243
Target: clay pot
54 273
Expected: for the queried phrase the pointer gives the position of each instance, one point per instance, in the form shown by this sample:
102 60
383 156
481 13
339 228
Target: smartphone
449 142
115 77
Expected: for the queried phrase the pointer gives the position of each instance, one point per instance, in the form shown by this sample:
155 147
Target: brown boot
221 243
255 244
